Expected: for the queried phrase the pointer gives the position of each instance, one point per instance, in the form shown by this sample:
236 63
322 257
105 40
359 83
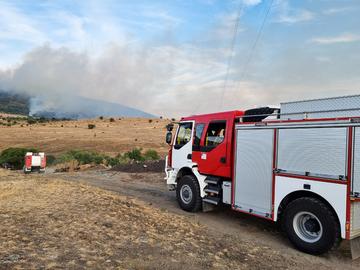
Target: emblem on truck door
203 156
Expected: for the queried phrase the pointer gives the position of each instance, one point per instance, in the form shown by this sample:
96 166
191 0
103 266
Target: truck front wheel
188 194
311 225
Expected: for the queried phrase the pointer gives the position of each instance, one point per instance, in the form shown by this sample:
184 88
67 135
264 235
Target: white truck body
311 150
316 157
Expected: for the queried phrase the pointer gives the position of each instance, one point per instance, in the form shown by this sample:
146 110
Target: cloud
15 26
252 2
296 16
289 15
343 38
332 11
323 59
162 16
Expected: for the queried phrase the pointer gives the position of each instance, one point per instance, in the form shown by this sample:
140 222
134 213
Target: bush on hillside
14 157
134 154
31 121
89 157
112 161
91 126
50 159
151 154
83 157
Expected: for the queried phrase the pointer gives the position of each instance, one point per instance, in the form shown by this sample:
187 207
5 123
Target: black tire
318 219
190 203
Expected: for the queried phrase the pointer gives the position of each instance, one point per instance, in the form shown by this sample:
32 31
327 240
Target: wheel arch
193 171
182 172
300 194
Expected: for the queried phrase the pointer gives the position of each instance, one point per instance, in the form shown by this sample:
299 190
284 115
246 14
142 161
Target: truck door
212 158
182 146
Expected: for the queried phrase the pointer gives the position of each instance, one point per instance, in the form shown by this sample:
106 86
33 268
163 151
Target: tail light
28 161
43 161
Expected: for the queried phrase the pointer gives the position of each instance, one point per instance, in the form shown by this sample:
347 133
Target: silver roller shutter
319 151
356 170
253 178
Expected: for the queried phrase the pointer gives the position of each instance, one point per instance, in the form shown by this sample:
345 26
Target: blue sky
174 53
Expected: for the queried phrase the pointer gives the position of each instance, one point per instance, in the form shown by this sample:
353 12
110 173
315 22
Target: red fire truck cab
300 167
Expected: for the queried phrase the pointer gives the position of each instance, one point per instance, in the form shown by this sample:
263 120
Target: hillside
77 107
14 103
112 138
74 107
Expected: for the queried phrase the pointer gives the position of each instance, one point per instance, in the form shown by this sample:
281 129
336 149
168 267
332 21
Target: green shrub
151 154
83 157
50 159
134 154
112 161
112 119
91 126
15 156
31 121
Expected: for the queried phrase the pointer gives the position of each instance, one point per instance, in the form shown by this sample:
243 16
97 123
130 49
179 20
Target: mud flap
207 207
355 248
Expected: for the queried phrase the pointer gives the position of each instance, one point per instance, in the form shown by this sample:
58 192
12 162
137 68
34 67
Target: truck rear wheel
311 225
188 194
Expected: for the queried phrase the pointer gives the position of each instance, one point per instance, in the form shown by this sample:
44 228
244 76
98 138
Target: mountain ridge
75 107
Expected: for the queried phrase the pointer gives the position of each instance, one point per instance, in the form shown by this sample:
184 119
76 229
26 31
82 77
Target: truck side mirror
168 137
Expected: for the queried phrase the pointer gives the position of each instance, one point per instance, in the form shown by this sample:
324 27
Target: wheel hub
307 227
312 225
186 194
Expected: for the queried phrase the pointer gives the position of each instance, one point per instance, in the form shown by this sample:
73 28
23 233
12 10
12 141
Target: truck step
212 180
212 189
211 200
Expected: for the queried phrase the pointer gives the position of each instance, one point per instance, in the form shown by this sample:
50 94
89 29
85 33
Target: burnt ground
141 167
271 247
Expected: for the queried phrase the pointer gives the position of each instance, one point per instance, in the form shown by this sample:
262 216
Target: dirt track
224 223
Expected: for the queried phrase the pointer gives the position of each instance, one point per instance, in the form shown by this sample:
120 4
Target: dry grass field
48 223
108 137
102 219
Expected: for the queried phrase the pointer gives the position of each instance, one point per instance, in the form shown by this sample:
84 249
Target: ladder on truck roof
336 107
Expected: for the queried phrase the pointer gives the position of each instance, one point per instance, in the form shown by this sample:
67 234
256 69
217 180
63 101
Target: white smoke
56 75
168 80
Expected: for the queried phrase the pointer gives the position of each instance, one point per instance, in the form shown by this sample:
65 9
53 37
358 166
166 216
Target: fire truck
35 162
298 165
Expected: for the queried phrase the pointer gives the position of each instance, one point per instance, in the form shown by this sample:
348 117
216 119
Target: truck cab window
215 133
199 129
184 135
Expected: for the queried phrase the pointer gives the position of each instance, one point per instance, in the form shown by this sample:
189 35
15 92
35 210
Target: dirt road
235 227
